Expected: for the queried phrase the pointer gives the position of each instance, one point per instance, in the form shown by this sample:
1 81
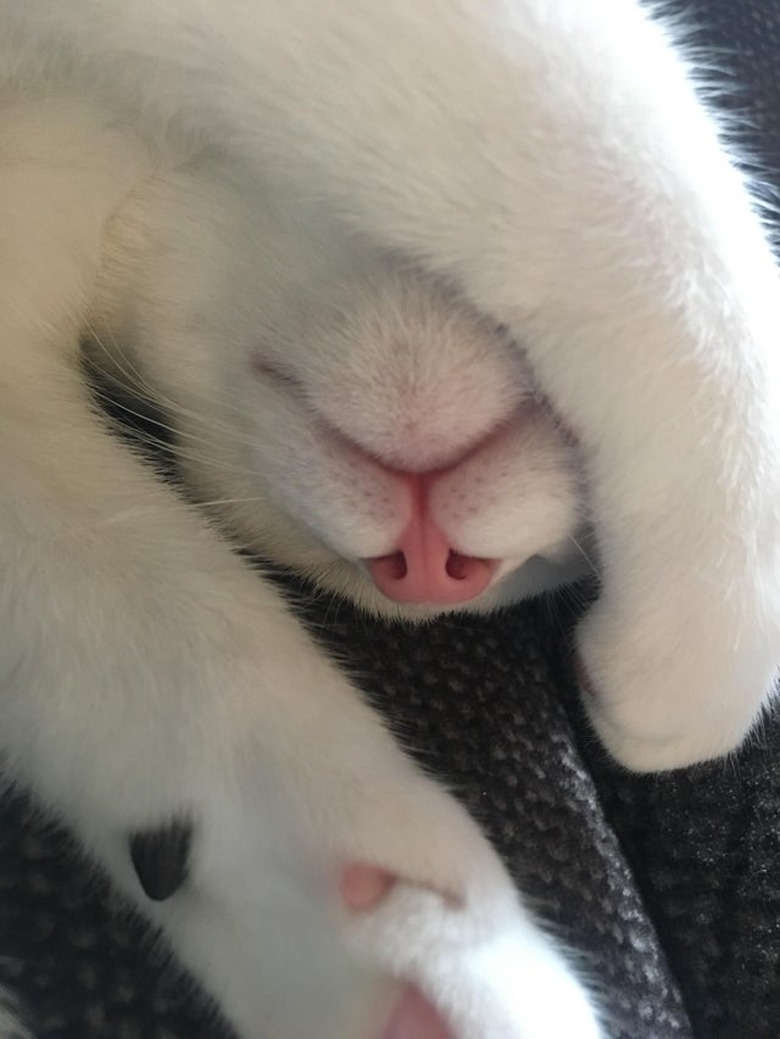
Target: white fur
239 201
302 370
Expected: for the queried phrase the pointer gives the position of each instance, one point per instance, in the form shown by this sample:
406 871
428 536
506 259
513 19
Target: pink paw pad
363 887
415 1018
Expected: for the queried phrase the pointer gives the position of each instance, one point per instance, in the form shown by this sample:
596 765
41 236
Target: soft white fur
299 225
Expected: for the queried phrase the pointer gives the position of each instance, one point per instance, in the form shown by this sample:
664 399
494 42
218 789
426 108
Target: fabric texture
668 886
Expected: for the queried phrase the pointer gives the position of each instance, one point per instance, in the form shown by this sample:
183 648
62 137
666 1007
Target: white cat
319 234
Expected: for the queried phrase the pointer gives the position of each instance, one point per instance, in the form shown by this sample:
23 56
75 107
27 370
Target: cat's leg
554 161
149 679
152 679
155 681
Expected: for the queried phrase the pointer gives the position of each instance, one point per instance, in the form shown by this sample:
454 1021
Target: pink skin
415 1018
362 888
425 568
583 678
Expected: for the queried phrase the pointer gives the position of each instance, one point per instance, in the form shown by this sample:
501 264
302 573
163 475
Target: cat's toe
641 753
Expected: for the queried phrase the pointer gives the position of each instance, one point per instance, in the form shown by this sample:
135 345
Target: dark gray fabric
478 702
652 879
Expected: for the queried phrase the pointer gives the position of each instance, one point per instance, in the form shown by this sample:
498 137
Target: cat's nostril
395 566
459 567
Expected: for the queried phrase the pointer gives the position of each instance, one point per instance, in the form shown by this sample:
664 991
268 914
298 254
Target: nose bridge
417 455
419 421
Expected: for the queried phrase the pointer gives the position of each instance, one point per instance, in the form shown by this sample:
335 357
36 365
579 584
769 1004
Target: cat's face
356 421
403 457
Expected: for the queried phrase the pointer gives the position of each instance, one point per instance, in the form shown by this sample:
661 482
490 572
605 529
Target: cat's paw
471 970
357 900
666 685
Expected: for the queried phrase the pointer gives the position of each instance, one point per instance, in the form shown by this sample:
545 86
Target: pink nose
426 569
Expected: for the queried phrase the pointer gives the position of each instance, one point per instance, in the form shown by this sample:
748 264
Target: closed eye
271 371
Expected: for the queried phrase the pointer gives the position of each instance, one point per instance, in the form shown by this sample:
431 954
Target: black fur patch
161 858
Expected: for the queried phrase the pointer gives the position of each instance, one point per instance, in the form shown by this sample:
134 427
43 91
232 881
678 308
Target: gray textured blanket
669 885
